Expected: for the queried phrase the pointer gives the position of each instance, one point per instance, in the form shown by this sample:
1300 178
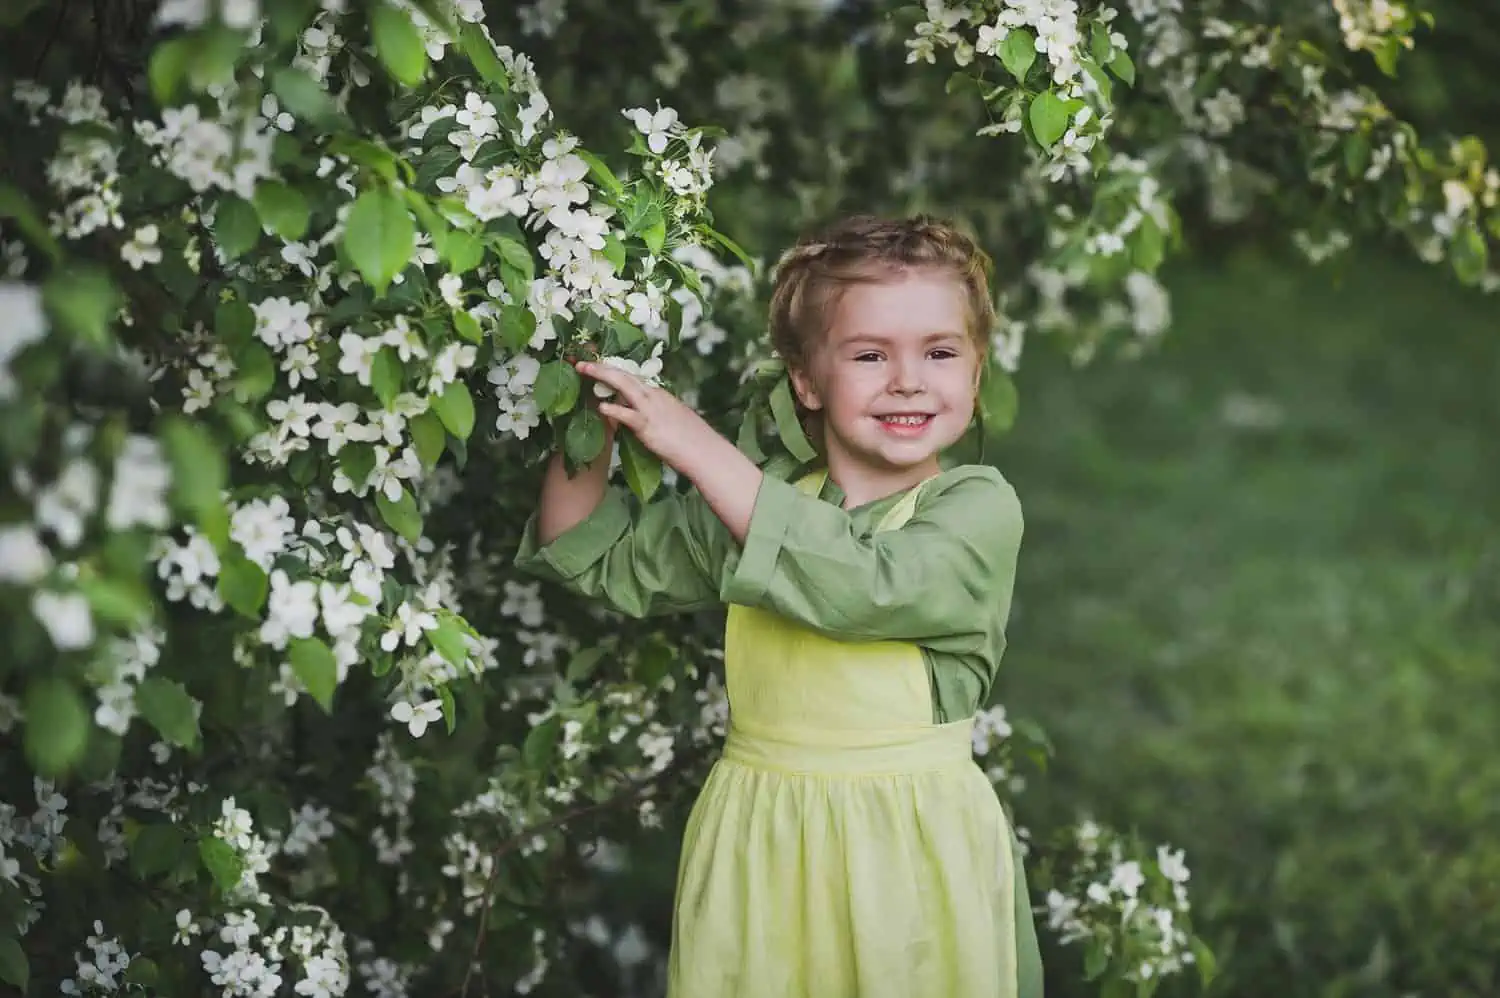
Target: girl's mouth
906 424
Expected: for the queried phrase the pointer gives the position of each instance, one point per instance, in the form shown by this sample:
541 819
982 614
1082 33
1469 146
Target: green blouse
943 581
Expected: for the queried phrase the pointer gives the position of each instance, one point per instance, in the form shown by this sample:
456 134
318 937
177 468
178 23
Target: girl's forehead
919 304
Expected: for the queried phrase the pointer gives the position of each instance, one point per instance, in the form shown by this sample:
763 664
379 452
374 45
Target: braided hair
810 277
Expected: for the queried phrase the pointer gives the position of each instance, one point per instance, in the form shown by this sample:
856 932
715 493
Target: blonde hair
812 275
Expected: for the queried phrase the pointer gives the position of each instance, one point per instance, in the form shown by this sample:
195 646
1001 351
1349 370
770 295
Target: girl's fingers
621 381
622 415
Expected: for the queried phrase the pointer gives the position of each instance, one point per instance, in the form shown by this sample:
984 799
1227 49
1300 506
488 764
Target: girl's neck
862 484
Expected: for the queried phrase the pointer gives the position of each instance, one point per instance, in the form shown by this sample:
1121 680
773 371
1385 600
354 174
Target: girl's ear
807 392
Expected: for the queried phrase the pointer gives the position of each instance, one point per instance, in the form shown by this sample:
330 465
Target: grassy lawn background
1259 613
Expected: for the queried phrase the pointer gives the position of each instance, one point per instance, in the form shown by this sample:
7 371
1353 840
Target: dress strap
812 482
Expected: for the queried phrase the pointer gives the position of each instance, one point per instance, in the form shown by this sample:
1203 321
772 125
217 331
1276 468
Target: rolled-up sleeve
653 562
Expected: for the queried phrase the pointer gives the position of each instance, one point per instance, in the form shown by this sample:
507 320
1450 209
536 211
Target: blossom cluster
1129 912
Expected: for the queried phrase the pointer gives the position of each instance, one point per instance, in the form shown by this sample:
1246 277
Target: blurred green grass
1258 611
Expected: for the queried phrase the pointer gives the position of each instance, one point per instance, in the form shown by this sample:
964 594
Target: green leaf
998 401
385 376
382 161
16 205
584 440
303 467
119 601
642 467
1099 43
1123 68
959 81
242 585
730 245
221 861
626 335
234 321
357 460
213 56
304 97
450 709
467 327
1386 55
398 43
157 850
255 372
199 470
1471 255
455 407
14 968
463 250
401 514
518 256
289 17
167 69
653 664
655 235
82 300
170 710
536 751
1149 244
748 438
1049 118
517 326
379 237
57 725
1356 153
481 52
449 640
1095 960
556 388
788 426
440 14
601 172
1204 958
101 759
428 437
582 665
315 666
1017 53
142 972
283 209
614 252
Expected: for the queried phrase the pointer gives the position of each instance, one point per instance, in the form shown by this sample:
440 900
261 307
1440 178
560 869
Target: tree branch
629 792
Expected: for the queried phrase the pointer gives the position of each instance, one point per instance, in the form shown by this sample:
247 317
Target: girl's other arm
567 502
586 537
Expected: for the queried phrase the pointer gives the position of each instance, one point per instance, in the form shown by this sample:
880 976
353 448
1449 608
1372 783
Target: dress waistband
851 751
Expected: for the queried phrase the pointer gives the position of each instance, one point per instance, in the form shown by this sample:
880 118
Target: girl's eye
943 353
868 355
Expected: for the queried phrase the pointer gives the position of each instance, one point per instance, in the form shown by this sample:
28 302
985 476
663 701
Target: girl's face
894 378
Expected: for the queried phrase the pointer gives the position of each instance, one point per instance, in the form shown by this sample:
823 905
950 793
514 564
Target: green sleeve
944 580
662 559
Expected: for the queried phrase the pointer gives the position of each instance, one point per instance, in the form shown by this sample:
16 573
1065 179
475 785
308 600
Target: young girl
845 844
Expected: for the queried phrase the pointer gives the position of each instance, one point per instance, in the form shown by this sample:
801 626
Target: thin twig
62 10
631 791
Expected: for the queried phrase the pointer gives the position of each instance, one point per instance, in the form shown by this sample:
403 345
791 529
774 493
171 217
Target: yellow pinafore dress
844 845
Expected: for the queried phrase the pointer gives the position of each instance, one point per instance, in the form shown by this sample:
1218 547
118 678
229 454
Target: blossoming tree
290 293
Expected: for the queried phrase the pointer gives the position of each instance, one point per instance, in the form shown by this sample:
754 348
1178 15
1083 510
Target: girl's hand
659 420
